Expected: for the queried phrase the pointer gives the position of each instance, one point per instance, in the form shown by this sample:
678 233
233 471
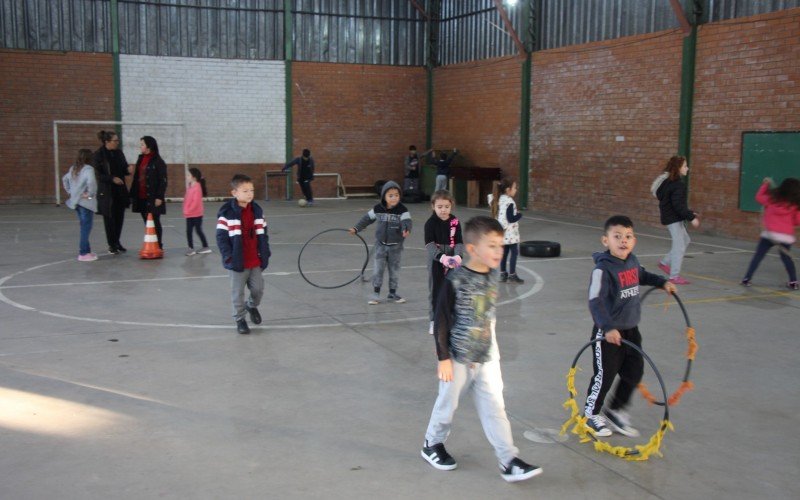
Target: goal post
56 156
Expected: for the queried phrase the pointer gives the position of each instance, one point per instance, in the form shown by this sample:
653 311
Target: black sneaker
517 470
241 327
437 456
113 250
620 422
503 277
255 316
746 282
513 278
792 285
121 248
393 297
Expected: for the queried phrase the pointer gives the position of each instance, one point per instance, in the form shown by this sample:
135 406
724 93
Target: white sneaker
620 422
599 425
204 250
430 329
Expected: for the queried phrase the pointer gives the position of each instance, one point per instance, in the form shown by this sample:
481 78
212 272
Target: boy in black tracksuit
616 310
305 174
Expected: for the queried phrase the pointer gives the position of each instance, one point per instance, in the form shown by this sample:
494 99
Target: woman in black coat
150 184
111 167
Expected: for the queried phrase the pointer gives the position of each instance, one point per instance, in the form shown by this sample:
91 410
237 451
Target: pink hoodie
193 201
778 217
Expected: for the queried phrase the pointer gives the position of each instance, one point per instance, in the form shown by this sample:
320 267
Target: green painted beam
114 10
687 93
288 55
526 29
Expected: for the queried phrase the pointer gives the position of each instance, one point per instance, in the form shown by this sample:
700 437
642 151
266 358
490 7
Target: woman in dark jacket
111 167
150 184
671 193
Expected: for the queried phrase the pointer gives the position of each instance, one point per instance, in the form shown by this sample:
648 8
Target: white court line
576 224
538 285
558 259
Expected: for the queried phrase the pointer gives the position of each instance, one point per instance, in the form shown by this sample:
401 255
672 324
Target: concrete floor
125 378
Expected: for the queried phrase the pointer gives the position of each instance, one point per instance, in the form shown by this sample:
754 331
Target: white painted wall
234 110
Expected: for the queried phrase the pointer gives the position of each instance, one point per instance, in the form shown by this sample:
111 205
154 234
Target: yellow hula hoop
576 423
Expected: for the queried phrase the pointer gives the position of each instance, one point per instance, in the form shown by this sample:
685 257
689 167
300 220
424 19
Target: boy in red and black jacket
244 246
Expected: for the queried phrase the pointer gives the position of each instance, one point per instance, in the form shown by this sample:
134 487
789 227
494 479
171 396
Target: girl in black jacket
150 184
671 193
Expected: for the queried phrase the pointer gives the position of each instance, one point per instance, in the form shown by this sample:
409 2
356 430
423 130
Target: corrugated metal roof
346 31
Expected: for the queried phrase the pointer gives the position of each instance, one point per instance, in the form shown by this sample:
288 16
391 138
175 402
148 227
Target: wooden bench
361 191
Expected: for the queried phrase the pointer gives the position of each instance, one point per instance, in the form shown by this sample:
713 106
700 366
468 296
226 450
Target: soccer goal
71 135
326 185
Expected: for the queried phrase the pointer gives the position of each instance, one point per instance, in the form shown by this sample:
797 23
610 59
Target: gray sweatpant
680 242
485 381
254 281
441 182
387 254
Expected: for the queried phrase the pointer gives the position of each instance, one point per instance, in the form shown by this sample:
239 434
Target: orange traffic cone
150 248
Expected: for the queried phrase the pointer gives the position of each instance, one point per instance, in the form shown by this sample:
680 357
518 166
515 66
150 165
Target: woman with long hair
149 184
111 168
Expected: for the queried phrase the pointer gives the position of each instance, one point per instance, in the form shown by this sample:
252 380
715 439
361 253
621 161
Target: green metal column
288 50
525 105
114 6
432 60
687 93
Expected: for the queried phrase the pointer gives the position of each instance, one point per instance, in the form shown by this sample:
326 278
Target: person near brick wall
149 184
443 169
81 185
781 218
112 167
671 192
305 173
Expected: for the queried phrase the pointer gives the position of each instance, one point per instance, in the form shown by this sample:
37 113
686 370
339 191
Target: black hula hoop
630 453
361 273
685 383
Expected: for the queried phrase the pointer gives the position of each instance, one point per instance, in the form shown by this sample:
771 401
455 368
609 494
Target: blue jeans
761 250
511 251
86 217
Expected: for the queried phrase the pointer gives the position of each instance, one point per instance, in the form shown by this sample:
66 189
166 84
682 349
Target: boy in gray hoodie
616 310
394 225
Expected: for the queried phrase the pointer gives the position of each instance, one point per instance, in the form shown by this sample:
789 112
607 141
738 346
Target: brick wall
358 120
747 79
604 122
35 89
476 109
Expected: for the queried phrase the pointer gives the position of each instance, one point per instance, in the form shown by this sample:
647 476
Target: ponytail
499 189
195 172
495 198
105 136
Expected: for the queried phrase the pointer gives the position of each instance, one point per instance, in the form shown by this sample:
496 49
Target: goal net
69 136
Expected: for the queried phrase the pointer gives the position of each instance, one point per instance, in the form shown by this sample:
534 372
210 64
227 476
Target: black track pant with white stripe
610 360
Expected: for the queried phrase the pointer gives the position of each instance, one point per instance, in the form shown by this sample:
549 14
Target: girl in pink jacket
781 217
193 209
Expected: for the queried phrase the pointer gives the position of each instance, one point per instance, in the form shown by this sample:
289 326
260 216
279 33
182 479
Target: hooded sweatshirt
672 202
392 222
614 291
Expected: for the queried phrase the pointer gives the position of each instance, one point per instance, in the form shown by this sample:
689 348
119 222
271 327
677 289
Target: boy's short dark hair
618 220
412 147
240 179
479 226
306 153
